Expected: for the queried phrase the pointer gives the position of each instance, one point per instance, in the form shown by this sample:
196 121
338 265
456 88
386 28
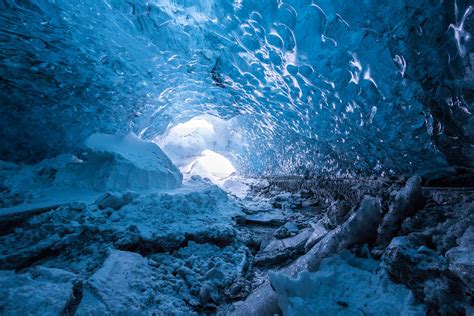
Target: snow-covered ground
344 285
149 240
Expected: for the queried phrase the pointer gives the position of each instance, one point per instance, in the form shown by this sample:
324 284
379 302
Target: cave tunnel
236 157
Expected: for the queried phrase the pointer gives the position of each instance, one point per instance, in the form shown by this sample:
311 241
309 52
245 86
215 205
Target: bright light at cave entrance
212 165
197 147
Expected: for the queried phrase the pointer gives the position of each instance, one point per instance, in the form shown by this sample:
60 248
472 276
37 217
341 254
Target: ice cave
236 157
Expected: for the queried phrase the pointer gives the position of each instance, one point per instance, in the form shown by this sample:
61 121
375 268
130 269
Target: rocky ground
200 251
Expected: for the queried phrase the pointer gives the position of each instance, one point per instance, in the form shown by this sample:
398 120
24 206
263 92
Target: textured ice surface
344 285
196 275
377 87
173 251
120 163
42 291
111 163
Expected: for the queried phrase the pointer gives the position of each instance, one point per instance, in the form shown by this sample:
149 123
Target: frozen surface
197 275
205 209
118 287
120 163
376 88
198 250
111 163
344 285
42 291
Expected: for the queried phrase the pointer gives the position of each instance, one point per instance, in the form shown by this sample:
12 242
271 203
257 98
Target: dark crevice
75 299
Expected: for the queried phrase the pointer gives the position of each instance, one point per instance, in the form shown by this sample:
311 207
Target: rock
119 163
215 275
445 221
236 289
319 231
7 165
449 177
184 272
405 260
265 219
287 201
262 301
115 201
426 272
355 230
208 294
205 294
360 227
288 230
280 250
118 287
461 258
405 202
42 291
337 213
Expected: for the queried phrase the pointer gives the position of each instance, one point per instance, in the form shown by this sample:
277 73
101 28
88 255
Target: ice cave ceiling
382 87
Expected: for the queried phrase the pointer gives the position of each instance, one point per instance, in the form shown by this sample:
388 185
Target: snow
127 162
42 291
205 207
196 275
111 163
118 287
343 285
153 220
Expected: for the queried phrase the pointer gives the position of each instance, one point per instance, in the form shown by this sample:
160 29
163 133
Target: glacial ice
309 85
43 291
164 156
127 163
343 285
111 163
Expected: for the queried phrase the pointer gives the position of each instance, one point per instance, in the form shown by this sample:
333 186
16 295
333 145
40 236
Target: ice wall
378 87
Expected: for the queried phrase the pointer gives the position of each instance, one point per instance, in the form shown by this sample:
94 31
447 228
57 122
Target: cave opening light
198 147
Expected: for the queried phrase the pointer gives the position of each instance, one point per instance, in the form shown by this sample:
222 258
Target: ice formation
128 163
310 84
344 285
236 157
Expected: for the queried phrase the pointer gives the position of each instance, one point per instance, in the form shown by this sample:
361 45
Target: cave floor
200 250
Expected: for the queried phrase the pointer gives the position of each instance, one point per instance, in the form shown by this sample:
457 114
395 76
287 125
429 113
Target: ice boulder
41 291
118 163
344 285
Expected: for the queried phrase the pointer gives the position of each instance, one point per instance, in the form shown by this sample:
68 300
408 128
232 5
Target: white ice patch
344 285
202 209
112 163
42 291
128 163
